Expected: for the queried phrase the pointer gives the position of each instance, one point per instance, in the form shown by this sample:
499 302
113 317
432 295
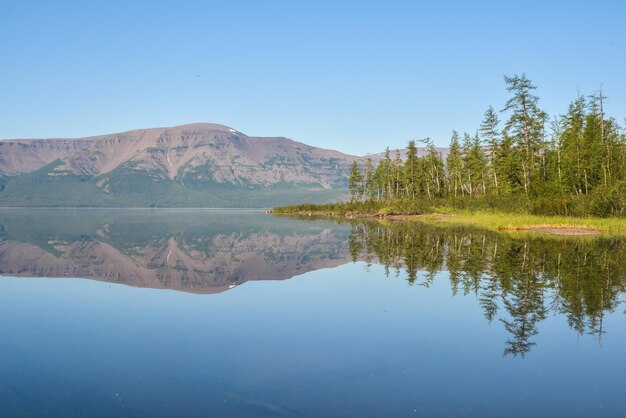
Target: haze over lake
239 313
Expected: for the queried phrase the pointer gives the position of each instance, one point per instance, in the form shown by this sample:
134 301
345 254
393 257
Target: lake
242 314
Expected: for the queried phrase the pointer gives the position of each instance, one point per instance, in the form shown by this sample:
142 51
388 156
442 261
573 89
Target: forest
519 159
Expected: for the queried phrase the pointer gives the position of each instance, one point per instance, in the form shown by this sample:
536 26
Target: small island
564 175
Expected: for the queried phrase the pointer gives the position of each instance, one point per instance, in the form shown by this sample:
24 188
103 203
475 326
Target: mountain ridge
195 165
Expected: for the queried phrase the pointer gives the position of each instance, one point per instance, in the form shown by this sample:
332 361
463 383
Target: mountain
196 165
190 165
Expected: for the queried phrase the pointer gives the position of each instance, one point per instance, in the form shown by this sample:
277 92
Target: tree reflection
518 280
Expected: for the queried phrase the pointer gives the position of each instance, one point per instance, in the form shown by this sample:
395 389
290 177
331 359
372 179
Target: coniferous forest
519 159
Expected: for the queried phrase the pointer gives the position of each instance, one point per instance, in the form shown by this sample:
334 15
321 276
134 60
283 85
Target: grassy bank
582 207
521 222
485 218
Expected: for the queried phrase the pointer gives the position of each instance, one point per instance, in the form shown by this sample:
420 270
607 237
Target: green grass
436 212
513 222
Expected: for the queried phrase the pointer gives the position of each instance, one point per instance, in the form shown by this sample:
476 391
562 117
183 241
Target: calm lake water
242 314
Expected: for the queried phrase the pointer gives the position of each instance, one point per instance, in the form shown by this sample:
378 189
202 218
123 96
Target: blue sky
354 76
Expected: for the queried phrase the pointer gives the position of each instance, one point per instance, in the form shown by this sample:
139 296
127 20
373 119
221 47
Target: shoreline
496 221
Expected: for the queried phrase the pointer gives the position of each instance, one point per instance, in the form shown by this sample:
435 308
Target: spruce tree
434 176
368 182
454 163
524 126
467 169
571 146
388 175
491 135
398 175
411 178
355 183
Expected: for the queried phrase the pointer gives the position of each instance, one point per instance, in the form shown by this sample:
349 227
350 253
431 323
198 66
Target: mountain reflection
191 251
518 280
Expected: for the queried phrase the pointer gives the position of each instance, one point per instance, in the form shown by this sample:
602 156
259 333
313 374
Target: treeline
574 164
517 281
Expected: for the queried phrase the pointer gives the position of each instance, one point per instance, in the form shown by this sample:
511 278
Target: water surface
237 313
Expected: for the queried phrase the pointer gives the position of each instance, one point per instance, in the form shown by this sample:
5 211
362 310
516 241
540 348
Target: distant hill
197 165
189 165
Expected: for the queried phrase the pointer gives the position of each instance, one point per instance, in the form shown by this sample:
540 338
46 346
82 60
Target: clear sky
353 76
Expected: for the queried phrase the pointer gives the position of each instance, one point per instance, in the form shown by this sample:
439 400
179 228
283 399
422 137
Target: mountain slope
188 165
